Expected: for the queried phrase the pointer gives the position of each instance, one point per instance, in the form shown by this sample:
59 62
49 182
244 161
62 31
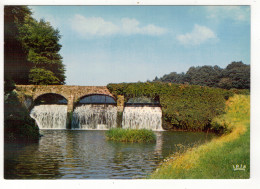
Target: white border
253 182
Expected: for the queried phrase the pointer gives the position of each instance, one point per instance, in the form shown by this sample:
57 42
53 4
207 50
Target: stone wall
71 93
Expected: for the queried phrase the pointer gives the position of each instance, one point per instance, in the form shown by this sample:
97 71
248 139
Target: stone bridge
71 93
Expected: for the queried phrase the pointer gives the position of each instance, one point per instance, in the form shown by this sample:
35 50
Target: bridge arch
96 98
50 98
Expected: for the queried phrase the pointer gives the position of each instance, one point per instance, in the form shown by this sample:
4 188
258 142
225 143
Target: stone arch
57 95
37 95
97 94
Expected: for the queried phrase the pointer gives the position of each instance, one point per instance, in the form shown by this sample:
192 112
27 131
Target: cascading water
142 117
50 116
90 116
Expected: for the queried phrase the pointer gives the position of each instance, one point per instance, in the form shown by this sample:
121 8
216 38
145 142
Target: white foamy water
50 116
98 117
142 118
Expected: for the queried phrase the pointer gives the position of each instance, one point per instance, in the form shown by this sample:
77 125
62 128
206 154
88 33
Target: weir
142 117
94 116
97 112
50 116
88 107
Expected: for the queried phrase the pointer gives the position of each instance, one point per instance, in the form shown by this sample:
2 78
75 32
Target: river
86 154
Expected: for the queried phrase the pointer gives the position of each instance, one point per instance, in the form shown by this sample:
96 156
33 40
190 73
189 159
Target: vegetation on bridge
131 135
185 107
222 158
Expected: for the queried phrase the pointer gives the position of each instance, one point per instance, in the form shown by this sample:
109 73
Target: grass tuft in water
131 135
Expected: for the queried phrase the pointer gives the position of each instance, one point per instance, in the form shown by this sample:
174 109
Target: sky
113 44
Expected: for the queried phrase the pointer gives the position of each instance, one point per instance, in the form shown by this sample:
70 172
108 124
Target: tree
29 44
205 75
40 76
42 44
16 65
173 77
236 75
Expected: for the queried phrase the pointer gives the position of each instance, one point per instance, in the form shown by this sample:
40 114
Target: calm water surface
71 154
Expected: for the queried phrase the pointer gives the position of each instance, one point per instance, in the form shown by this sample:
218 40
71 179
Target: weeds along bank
224 157
185 107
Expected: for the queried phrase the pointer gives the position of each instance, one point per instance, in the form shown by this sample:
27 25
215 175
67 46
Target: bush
131 135
186 107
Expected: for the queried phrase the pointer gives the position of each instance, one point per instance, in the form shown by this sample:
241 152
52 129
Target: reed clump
131 135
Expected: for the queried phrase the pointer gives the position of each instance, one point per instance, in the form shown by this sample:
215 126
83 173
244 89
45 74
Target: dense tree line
31 49
235 75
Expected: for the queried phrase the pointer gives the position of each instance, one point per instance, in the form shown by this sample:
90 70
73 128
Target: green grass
215 160
131 135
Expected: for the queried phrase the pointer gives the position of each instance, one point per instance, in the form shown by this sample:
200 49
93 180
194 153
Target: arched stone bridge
71 93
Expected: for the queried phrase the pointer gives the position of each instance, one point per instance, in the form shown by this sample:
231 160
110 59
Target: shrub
131 135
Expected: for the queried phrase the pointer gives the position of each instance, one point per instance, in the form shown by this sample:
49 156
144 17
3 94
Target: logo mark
239 167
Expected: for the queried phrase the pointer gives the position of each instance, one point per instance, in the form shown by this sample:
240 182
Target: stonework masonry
71 93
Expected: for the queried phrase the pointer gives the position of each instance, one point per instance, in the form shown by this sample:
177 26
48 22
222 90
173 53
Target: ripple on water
70 154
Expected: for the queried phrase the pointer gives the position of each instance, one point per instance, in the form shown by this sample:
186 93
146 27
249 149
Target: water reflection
68 154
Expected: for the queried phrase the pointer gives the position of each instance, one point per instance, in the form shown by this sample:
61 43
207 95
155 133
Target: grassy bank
217 158
131 135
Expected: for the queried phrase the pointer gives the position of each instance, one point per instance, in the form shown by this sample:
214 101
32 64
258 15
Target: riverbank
226 157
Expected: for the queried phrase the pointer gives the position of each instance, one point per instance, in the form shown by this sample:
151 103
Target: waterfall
142 117
50 116
90 116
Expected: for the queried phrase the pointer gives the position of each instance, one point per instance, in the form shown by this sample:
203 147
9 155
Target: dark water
68 154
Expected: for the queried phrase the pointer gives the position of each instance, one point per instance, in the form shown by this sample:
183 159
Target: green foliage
18 125
30 44
187 107
204 76
39 76
16 65
235 75
131 135
41 41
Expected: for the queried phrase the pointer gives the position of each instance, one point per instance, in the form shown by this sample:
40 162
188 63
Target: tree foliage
42 44
235 75
39 76
16 65
31 44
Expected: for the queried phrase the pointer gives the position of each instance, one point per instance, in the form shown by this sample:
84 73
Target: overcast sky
112 44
